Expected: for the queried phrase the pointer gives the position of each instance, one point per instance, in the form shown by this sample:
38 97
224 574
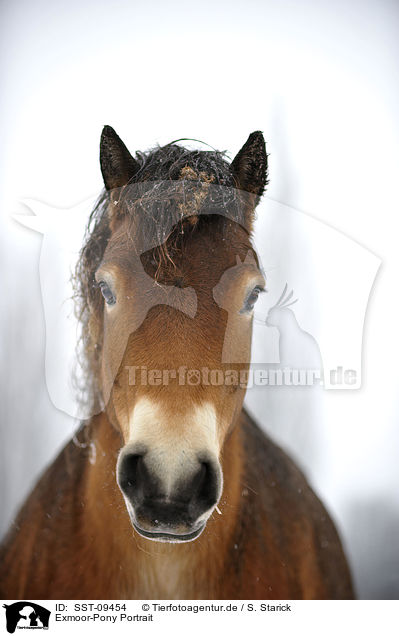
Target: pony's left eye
251 299
107 293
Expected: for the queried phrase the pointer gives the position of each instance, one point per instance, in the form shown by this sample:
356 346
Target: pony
170 490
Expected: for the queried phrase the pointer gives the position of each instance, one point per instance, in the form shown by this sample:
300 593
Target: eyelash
248 306
106 292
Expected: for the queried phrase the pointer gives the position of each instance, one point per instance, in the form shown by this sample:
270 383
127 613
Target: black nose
193 494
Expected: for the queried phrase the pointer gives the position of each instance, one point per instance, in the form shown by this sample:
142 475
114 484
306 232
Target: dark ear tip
257 136
108 131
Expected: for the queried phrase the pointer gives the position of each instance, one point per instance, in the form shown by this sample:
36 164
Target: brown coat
274 539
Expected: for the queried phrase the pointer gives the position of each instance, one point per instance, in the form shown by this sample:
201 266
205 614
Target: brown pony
170 490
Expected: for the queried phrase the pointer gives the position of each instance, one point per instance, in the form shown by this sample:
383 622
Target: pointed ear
117 164
249 167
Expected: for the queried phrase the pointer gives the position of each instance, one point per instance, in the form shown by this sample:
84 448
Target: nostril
205 487
131 473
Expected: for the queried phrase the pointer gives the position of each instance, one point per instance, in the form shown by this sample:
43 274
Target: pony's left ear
117 164
249 167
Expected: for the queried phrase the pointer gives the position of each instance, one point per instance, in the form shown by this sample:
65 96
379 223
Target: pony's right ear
249 167
117 164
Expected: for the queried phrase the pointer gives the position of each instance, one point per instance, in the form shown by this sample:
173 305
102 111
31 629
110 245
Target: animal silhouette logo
298 349
26 615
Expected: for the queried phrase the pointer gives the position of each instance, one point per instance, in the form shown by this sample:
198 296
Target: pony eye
251 299
107 293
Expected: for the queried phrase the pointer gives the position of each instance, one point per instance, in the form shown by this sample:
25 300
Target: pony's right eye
107 293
